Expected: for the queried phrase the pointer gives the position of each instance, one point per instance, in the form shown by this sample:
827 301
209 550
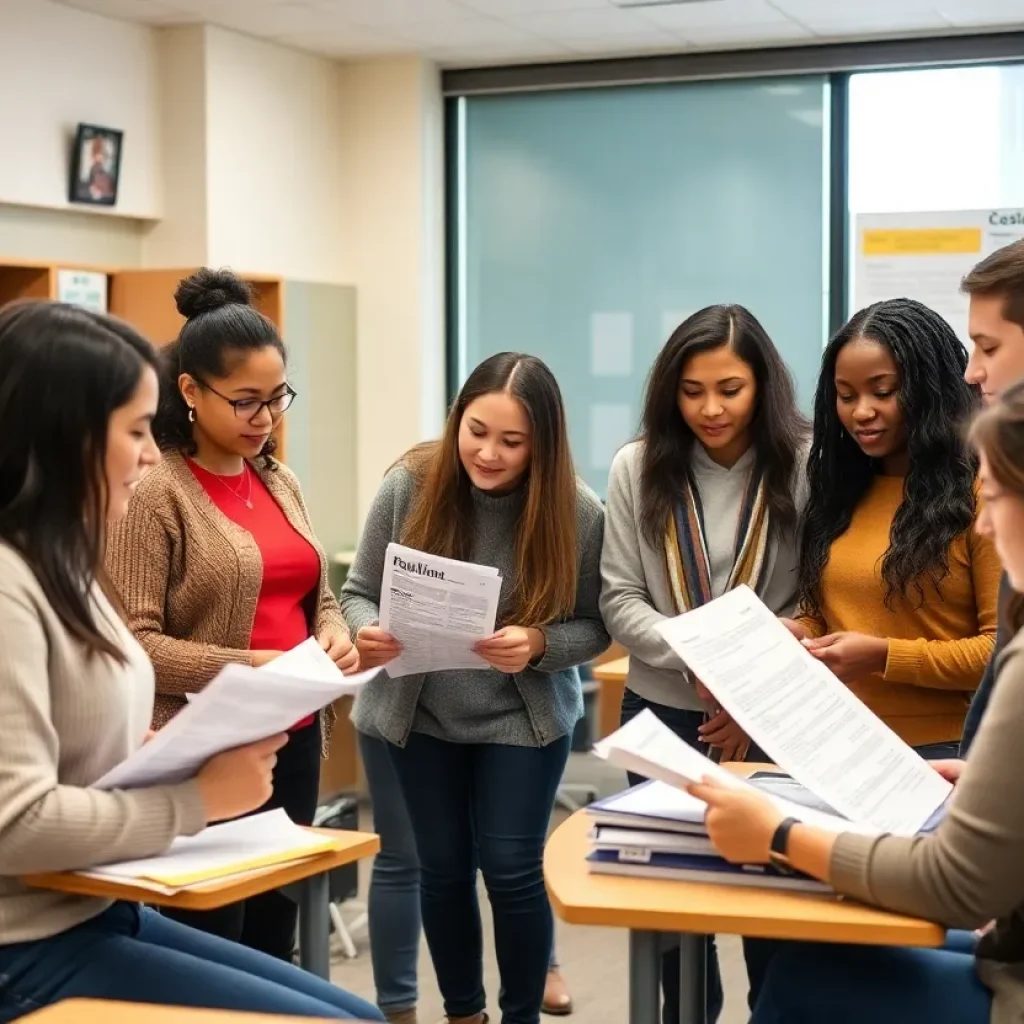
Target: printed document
241 705
807 721
437 608
221 851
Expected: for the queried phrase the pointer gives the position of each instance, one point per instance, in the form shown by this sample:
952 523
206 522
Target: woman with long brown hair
479 753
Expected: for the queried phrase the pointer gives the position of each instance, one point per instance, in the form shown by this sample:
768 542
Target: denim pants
394 903
810 982
267 922
483 806
132 954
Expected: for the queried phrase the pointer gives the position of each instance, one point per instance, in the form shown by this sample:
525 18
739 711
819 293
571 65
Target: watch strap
778 850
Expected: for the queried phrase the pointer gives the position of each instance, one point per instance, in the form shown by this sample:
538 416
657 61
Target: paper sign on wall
925 256
83 288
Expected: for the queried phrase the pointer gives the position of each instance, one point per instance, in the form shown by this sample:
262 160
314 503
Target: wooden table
309 878
100 1011
612 677
649 908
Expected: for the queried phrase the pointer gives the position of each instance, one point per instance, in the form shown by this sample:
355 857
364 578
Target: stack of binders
657 831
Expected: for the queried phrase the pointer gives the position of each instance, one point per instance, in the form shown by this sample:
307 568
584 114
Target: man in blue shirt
996 326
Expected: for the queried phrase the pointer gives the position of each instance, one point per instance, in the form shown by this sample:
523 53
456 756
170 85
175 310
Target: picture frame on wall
95 165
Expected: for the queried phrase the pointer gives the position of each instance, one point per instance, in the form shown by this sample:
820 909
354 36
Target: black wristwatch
778 850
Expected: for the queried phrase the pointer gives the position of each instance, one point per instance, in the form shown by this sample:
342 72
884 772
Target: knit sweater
635 591
189 578
938 650
532 707
68 719
969 871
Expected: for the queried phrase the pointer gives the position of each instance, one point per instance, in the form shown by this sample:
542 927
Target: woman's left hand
740 821
722 732
340 650
511 649
850 656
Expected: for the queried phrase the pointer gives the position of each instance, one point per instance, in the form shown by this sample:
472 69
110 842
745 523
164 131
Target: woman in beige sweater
965 875
77 396
216 560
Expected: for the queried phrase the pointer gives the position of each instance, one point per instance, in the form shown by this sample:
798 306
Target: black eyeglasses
250 408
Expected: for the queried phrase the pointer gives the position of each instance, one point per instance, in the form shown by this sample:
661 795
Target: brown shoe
477 1018
557 1001
406 1016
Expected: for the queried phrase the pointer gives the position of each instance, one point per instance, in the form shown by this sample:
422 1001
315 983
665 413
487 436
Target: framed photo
95 165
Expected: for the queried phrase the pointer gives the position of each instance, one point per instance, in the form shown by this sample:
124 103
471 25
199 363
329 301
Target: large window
590 223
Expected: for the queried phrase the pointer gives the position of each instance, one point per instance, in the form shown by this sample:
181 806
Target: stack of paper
437 608
219 852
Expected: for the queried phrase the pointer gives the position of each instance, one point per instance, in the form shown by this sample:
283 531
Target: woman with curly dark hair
898 592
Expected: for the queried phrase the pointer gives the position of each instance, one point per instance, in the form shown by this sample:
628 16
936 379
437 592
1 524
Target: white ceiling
471 32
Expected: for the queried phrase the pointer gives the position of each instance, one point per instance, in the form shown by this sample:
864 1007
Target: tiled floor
593 959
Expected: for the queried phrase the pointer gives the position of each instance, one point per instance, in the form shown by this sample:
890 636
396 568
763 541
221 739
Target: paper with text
647 746
240 705
437 608
802 716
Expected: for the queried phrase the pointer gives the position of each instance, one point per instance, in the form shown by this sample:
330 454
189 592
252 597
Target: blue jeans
394 904
133 954
810 982
485 806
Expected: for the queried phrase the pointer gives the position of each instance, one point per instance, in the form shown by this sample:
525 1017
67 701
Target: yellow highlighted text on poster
920 241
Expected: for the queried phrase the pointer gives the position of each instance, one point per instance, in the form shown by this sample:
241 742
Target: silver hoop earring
191 414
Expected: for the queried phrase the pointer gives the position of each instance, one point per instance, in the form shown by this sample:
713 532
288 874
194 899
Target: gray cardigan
531 708
635 592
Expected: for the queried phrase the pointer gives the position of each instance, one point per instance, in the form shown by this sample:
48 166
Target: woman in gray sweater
966 874
707 499
479 753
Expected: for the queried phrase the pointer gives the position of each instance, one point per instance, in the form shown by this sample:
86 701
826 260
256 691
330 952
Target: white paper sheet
241 705
438 608
219 851
802 716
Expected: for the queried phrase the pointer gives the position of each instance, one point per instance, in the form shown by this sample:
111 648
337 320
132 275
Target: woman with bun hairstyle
78 392
216 561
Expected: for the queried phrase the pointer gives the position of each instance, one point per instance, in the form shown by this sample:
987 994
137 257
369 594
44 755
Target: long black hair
63 373
220 320
778 429
939 493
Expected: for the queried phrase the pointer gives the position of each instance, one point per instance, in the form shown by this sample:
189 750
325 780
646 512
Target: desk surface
612 671
88 1011
351 846
648 904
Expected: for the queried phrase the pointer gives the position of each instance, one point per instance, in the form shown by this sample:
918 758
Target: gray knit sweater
531 708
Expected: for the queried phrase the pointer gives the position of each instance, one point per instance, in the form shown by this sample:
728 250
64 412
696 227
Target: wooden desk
309 877
651 907
612 677
100 1011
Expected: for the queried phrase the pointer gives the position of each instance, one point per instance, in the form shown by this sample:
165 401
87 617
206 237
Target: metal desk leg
315 925
644 978
693 978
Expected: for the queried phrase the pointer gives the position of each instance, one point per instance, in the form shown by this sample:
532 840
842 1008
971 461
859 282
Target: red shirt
291 566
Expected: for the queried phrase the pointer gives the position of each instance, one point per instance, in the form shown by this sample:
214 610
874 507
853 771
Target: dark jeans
267 922
483 804
811 982
133 954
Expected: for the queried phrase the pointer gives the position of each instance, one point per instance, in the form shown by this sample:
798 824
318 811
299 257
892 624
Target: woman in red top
216 561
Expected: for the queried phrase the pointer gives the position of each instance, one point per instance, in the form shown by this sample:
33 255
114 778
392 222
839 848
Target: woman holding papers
965 874
705 500
78 392
899 592
479 752
216 561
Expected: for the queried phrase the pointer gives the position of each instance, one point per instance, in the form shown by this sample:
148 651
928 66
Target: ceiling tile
982 13
289 17
866 17
149 12
512 8
347 41
472 31
627 45
682 17
583 24
838 9
395 13
741 35
477 56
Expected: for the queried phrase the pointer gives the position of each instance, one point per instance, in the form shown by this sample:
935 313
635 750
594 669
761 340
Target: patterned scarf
686 551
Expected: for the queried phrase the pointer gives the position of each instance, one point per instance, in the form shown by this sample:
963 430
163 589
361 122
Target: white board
925 256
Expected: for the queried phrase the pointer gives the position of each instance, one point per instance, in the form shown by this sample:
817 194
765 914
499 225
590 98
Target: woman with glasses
216 561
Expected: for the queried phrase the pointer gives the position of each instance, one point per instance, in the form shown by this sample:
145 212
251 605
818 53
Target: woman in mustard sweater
899 593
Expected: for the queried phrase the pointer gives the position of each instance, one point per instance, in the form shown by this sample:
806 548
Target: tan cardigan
969 871
189 578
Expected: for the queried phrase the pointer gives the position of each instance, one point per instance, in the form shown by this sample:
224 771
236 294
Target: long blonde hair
440 519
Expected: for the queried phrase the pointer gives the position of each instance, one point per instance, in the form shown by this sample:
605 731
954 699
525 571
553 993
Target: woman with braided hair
898 592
